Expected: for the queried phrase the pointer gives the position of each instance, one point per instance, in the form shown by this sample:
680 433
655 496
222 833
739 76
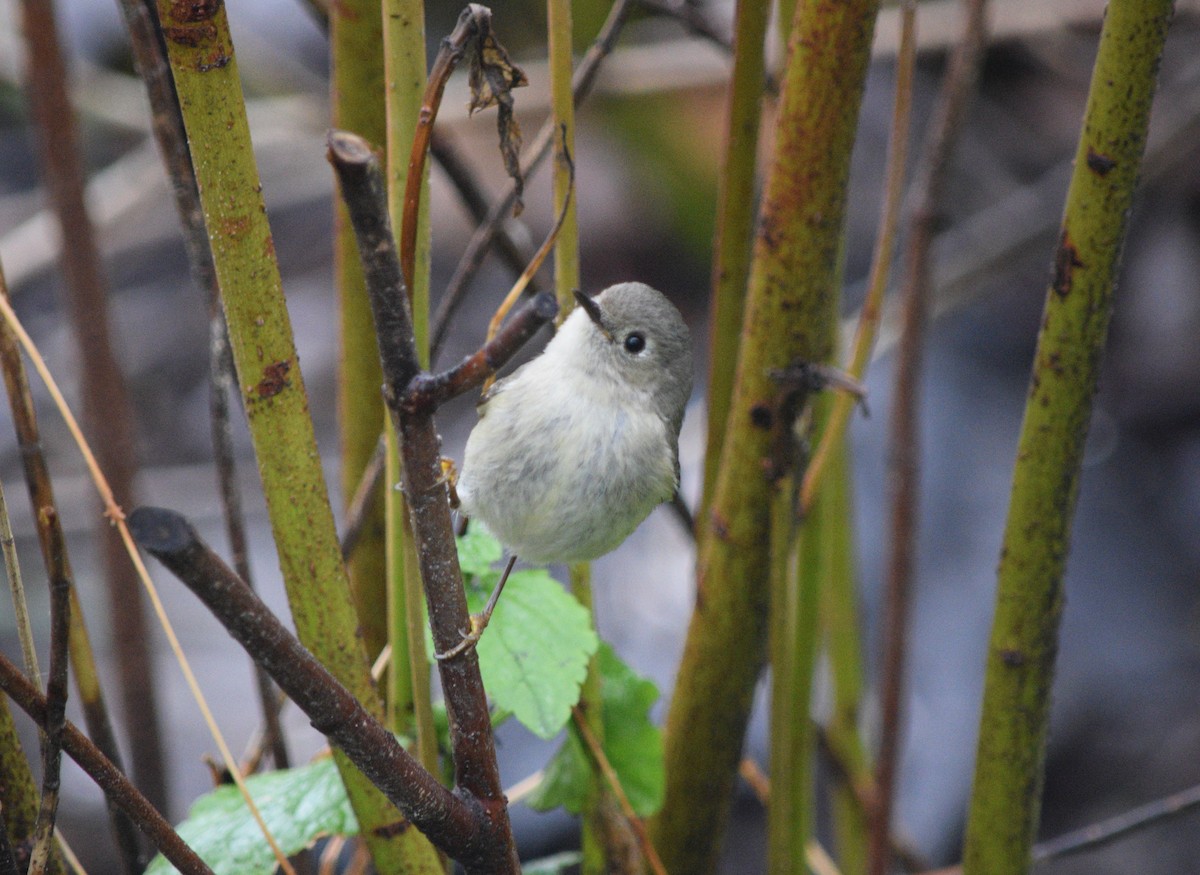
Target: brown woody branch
56 700
425 488
118 790
451 822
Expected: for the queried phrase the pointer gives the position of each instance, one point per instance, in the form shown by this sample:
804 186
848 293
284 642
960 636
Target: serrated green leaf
298 805
534 654
478 550
632 744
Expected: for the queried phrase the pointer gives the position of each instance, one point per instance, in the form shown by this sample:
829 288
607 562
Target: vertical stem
735 226
475 766
1005 799
108 415
904 441
56 706
409 682
18 792
41 495
166 124
840 623
205 71
357 95
790 316
596 849
798 575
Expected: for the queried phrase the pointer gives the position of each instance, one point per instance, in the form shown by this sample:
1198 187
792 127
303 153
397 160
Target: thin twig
1102 832
696 20
116 516
17 588
544 250
460 174
600 761
450 52
694 17
41 495
117 788
957 88
477 248
1118 826
106 405
364 494
434 390
450 822
56 701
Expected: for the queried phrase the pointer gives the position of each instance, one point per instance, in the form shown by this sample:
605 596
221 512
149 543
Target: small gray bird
575 448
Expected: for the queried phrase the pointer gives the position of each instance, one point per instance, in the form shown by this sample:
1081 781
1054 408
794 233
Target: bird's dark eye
635 342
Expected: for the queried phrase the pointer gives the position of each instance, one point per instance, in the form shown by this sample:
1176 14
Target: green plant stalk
356 86
801 563
1006 795
566 279
18 791
409 677
735 225
409 692
843 642
206 79
790 316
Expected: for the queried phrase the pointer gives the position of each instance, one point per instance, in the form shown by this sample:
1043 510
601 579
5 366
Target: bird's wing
495 389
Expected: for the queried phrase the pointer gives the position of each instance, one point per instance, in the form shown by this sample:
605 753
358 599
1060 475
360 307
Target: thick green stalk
210 96
356 84
735 224
408 688
843 642
1008 774
18 791
790 316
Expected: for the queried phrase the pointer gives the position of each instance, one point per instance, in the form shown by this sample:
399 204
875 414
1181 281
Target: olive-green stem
16 586
600 805
18 791
790 316
214 112
735 225
881 259
796 583
356 85
843 644
1005 799
409 701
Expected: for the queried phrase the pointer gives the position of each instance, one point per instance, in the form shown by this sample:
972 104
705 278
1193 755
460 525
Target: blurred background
1126 715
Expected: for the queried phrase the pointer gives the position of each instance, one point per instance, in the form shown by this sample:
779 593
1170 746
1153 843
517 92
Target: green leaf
534 654
477 551
632 744
299 806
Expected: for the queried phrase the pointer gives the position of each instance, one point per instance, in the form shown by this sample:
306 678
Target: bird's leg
449 476
479 622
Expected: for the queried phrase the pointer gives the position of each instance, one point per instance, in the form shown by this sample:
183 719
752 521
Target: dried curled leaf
492 78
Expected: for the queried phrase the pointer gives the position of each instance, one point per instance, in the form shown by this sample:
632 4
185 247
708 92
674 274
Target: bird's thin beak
593 311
